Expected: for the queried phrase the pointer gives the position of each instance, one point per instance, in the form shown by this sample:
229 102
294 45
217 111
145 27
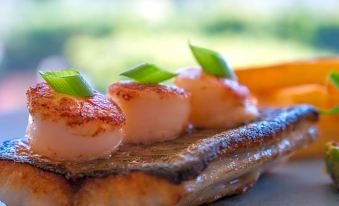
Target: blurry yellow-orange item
267 78
314 94
295 83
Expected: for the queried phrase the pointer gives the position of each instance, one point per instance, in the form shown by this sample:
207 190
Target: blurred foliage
327 37
105 43
34 41
104 58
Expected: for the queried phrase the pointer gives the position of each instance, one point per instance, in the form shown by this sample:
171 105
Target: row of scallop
65 127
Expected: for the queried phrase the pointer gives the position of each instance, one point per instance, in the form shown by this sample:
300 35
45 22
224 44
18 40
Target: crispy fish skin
176 160
202 170
23 184
130 189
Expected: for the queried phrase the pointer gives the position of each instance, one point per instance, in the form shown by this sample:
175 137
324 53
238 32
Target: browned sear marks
75 111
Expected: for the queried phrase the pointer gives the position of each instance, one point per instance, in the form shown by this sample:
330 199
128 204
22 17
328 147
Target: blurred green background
103 38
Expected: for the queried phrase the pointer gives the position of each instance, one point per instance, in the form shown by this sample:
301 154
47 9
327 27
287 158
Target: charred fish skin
176 160
229 170
69 128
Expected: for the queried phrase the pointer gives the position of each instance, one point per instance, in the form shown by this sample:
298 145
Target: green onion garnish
148 73
212 62
332 111
67 82
334 78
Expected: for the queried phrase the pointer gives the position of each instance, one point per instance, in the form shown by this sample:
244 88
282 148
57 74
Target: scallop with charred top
216 102
153 112
69 128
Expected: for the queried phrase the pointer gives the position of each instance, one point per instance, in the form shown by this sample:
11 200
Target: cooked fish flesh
216 102
65 127
154 112
199 167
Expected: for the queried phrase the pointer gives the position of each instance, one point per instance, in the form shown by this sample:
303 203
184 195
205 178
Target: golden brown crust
48 104
131 189
128 90
38 183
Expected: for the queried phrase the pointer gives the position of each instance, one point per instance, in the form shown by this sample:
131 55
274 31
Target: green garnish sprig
212 62
334 79
148 73
332 111
68 82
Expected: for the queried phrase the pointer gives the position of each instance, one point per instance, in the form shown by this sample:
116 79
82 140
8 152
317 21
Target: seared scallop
216 102
153 112
64 127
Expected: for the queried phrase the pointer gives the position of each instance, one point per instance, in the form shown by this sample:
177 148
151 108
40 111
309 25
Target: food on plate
167 145
218 100
199 167
298 83
154 112
66 127
332 161
332 89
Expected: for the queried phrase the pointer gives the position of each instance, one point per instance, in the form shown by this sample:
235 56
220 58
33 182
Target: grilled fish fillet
200 167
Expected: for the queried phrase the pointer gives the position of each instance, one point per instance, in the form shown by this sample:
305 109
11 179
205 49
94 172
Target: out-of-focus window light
154 10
